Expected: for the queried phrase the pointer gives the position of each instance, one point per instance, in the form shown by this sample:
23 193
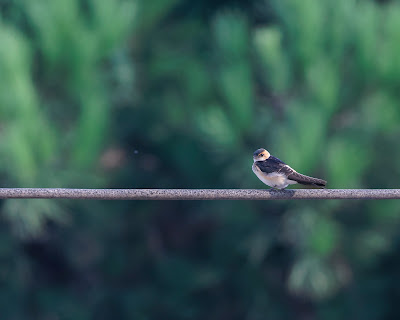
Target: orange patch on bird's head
260 155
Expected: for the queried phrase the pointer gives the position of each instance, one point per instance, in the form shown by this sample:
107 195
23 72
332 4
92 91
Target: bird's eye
260 155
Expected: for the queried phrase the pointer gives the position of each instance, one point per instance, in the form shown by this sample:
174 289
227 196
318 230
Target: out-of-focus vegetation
178 94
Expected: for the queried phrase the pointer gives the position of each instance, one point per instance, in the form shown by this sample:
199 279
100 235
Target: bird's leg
277 189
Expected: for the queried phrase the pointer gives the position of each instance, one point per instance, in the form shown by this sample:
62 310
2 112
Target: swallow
277 174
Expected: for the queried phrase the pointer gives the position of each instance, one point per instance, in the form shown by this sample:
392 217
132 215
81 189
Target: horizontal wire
197 194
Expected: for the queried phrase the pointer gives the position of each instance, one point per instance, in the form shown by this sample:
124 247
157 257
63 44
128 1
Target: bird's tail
302 179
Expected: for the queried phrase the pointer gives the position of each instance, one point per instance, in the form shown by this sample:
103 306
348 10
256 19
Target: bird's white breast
273 179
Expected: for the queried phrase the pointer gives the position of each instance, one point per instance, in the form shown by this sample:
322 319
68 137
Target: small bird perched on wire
277 174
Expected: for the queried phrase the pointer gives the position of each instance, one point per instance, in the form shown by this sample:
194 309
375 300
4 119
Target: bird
277 174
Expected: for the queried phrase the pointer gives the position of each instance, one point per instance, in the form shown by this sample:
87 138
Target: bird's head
260 155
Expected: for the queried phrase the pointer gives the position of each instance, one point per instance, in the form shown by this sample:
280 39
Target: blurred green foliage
176 94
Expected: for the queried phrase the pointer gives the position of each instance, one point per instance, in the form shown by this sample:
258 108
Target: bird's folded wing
301 178
270 165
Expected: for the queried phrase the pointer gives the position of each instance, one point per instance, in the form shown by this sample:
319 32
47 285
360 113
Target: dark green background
178 94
